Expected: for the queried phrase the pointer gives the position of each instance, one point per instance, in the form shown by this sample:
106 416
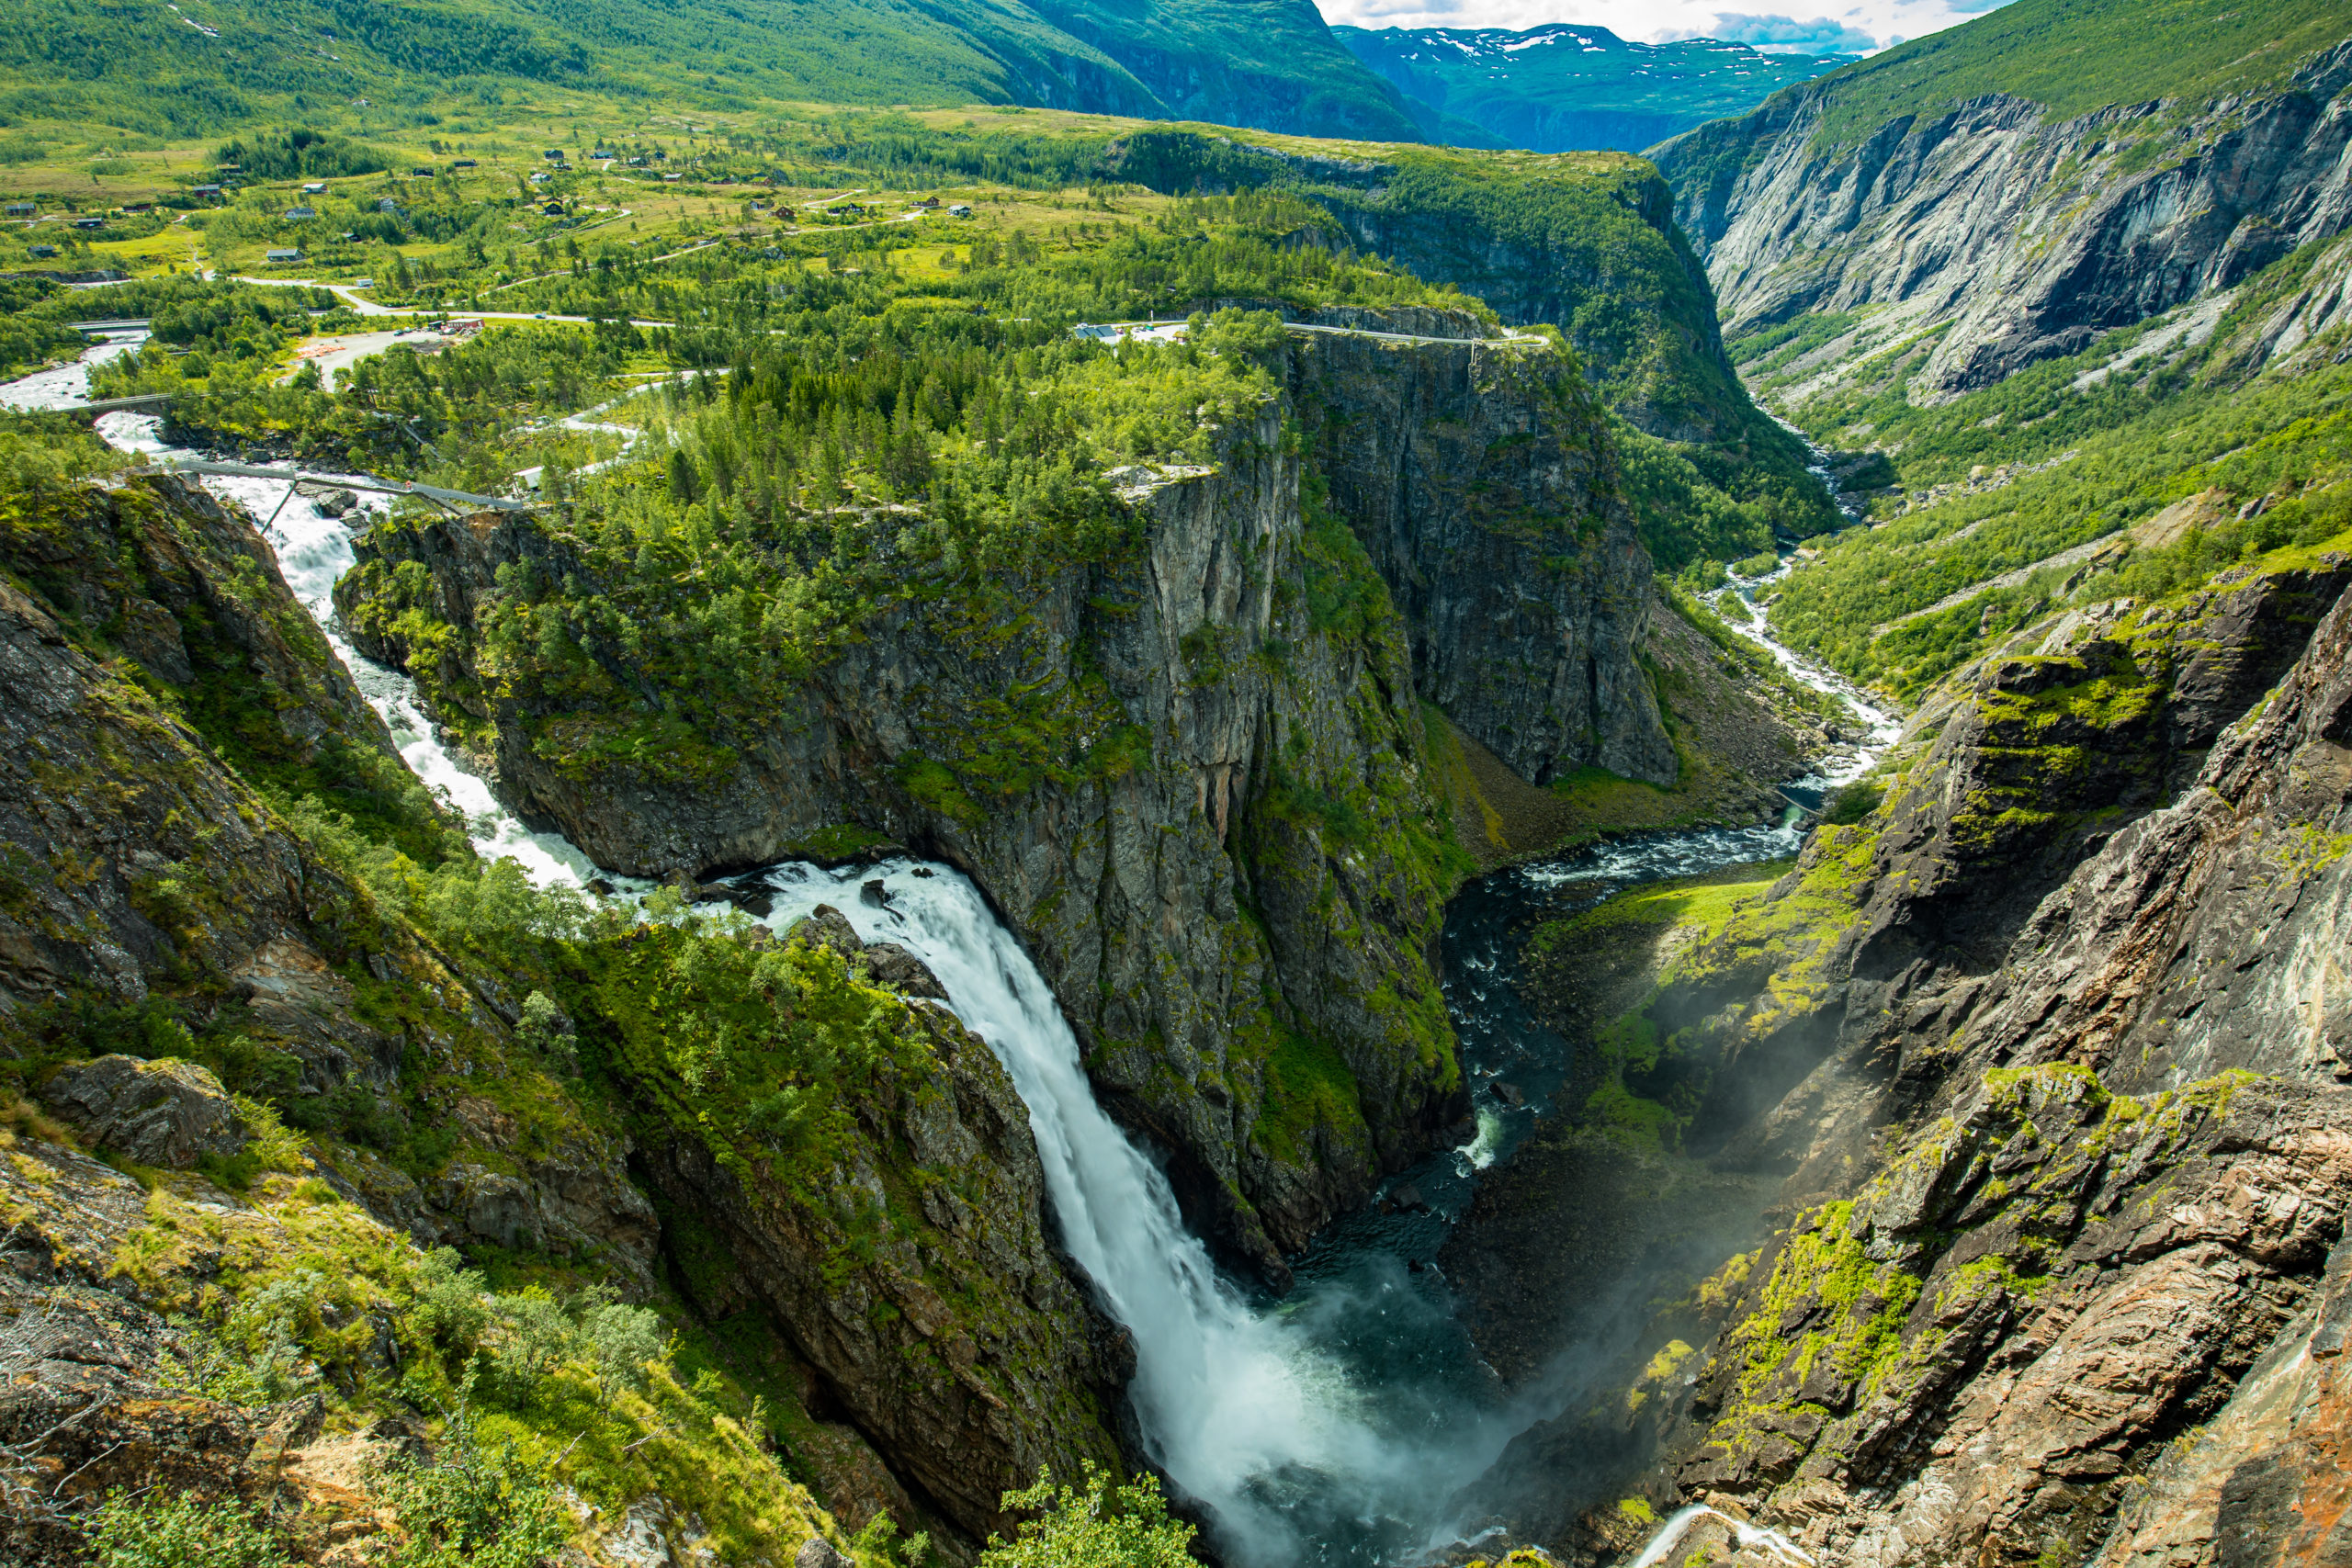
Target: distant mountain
215 65
1567 87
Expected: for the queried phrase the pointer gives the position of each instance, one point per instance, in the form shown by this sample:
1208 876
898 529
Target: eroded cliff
1991 233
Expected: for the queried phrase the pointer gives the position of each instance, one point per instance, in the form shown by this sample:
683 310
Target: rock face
160 1113
962 1349
1478 480
142 864
1237 924
2071 1173
2023 236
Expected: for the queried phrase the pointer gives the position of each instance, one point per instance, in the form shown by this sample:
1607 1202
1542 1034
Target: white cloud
1659 20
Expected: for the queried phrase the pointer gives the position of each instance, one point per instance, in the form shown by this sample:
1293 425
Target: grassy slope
151 71
2080 55
2109 455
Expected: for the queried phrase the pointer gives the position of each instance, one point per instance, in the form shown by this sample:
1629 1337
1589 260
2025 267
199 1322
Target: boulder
168 1113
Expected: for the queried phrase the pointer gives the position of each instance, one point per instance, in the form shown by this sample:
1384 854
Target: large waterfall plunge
1251 1409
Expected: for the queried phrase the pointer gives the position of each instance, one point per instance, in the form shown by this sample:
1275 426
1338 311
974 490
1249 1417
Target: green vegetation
420 64
1640 1081
176 1530
2080 55
1097 1524
2066 454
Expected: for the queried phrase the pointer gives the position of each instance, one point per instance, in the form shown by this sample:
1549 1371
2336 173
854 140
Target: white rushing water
1235 1401
1881 726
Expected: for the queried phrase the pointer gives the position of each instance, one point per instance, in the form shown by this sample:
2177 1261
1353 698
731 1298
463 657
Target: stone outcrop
161 1113
2021 235
1261 883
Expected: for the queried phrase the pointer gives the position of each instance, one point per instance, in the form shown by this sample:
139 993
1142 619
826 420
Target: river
1336 1425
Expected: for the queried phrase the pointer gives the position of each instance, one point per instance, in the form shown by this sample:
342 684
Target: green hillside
1562 88
212 64
2080 55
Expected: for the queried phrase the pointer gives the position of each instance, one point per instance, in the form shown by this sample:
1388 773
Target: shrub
471 1506
1096 1525
173 1530
1851 803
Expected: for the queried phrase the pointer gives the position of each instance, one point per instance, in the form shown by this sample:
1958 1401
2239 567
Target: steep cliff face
2011 232
1190 780
2068 1169
1481 481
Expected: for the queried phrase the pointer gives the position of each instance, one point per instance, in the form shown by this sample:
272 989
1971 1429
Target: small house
601 152
89 222
316 187
422 171
929 203
130 206
463 164
207 191
281 257
23 209
300 214
553 210
554 154
362 283
385 204
43 252
466 328
672 179
959 210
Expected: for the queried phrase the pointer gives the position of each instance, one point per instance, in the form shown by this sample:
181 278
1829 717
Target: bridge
451 499
126 324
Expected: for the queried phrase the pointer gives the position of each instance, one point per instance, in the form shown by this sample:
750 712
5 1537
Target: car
539 316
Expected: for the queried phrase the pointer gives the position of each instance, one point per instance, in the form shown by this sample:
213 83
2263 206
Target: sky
1845 27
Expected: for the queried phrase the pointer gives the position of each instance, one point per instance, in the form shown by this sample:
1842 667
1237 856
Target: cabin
672 179
43 252
130 206
553 210
601 152
362 283
89 222
316 187
462 328
553 154
959 210
23 209
422 171
464 164
385 204
212 192
300 214
281 257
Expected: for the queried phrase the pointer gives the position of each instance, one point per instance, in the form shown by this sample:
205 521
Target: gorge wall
2009 233
1227 854
2044 1056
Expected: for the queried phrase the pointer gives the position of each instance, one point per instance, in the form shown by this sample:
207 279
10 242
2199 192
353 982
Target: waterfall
1240 1403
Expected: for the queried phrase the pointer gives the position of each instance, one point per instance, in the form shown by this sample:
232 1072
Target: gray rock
2029 236
166 1114
818 1552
